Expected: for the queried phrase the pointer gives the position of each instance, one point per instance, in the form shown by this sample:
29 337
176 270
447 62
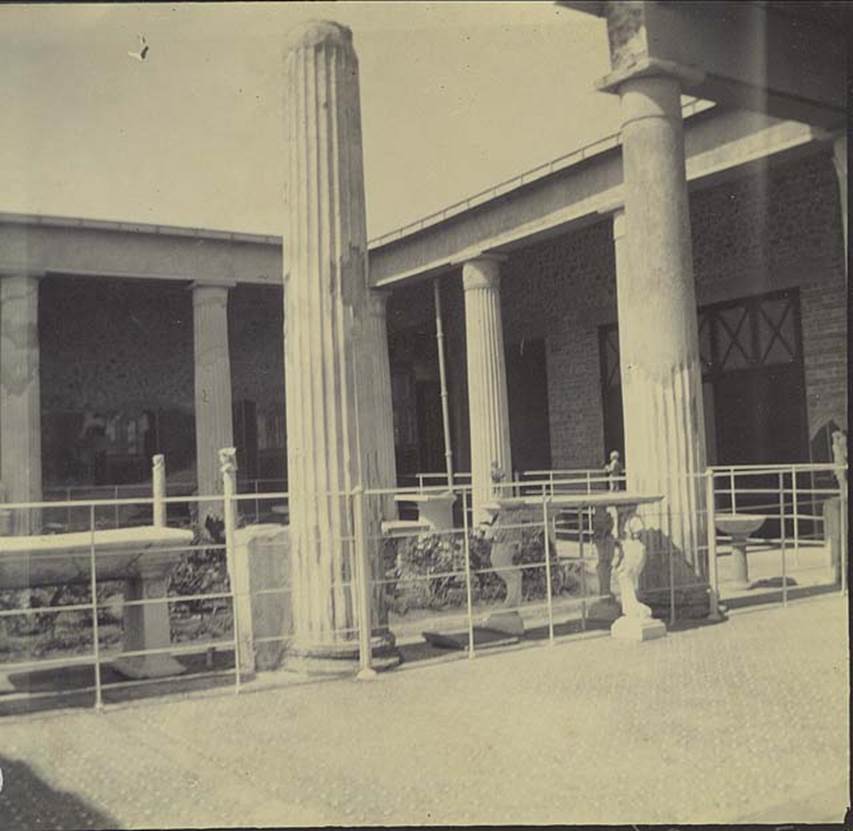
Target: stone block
832 535
638 629
510 623
261 562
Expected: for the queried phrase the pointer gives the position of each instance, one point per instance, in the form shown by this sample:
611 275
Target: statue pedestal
637 629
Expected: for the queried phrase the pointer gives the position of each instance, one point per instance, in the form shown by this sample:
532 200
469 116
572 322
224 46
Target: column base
638 629
148 666
340 658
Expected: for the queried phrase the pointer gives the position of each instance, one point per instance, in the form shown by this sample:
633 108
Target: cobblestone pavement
747 719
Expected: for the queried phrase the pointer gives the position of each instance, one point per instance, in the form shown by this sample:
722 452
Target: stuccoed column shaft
375 403
487 393
658 338
839 159
213 414
325 256
20 402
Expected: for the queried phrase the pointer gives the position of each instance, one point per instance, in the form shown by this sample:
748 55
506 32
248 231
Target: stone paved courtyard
741 721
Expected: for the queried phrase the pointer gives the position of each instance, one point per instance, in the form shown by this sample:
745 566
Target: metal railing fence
447 577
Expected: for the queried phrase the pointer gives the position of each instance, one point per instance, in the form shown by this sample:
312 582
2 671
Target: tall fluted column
376 409
839 158
658 338
20 400
325 279
213 416
487 393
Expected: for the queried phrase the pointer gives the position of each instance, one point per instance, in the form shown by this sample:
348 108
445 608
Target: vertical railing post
361 573
546 531
116 517
158 490
467 550
842 527
671 563
582 555
68 509
228 471
257 504
782 536
93 587
794 516
711 523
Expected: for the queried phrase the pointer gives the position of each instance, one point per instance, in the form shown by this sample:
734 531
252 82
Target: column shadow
28 801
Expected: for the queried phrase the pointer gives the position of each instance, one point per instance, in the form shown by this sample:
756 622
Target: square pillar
487 392
20 401
213 415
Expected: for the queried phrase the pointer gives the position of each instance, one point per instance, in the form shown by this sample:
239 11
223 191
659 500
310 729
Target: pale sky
455 97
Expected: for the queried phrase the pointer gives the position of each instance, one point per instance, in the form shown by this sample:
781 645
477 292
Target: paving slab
712 724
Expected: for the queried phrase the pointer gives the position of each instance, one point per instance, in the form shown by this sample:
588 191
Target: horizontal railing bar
74 660
172 649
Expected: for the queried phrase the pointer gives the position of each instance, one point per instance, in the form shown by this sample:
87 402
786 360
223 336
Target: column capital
618 223
200 285
687 76
482 271
210 293
12 273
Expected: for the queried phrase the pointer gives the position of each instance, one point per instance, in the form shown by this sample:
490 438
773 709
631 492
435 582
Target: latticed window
749 334
748 348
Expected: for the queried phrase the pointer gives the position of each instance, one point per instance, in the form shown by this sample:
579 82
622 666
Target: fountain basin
739 527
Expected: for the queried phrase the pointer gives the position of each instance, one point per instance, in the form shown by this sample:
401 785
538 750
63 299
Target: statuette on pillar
325 287
487 391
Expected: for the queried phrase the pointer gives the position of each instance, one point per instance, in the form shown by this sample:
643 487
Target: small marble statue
628 566
614 471
839 455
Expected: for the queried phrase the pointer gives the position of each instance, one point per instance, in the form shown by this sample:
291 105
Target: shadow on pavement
27 801
794 593
38 691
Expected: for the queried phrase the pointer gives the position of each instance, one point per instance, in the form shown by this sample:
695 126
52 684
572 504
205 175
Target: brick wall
754 234
125 347
256 345
107 344
824 319
547 291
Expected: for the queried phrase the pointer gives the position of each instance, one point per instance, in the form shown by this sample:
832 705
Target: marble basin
739 525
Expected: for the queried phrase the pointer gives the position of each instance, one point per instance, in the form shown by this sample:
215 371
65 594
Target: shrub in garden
428 571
